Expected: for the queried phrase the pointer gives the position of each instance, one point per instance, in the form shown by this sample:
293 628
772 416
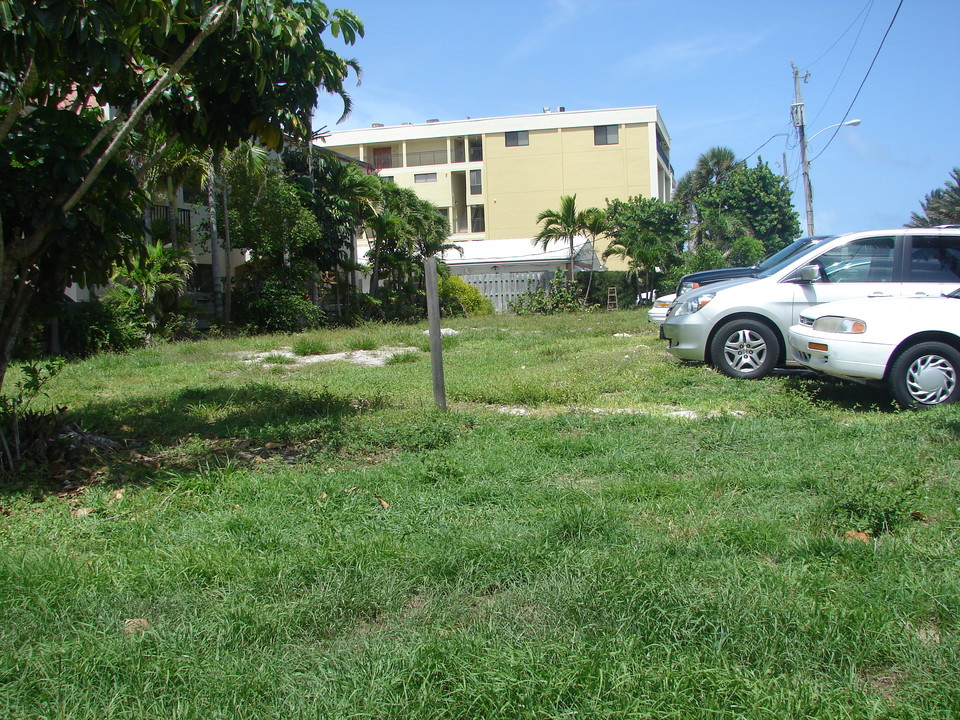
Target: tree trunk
228 251
172 230
13 316
570 270
215 260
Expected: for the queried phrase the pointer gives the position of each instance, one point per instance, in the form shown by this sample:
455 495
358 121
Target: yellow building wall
520 182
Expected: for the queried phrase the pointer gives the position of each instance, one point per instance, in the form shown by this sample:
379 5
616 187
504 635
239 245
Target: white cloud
695 52
557 15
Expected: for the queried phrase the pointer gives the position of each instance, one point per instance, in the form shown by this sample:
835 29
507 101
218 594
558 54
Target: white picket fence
503 288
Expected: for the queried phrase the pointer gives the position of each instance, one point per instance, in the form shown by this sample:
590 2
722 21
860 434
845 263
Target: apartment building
493 176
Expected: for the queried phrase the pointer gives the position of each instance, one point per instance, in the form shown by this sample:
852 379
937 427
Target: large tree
760 199
941 206
712 168
647 233
78 78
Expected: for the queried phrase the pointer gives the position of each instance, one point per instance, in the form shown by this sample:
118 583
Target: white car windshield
801 247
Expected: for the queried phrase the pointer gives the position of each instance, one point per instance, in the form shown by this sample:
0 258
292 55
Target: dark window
476 148
425 177
934 259
476 219
516 139
867 260
476 187
387 178
606 135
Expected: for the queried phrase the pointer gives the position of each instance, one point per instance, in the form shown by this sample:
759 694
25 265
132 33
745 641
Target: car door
864 267
932 265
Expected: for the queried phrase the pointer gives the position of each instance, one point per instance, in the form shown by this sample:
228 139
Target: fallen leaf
116 497
854 536
383 503
919 515
81 512
126 428
135 626
5 511
323 496
271 446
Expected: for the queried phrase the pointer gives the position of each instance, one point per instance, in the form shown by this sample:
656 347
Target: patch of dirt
882 681
367 358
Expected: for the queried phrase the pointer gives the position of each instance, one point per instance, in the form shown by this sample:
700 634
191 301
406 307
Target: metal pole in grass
433 317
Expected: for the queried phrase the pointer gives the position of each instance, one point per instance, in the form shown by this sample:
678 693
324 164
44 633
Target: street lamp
805 165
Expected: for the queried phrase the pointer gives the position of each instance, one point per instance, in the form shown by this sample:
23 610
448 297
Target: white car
740 326
910 343
661 306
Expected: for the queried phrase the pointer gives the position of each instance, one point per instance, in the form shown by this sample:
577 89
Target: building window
477 224
476 187
606 135
516 139
387 178
425 177
476 148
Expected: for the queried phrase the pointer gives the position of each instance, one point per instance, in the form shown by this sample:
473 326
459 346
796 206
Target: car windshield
791 252
954 294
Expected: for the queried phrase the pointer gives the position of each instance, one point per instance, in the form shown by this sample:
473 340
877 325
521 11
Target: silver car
740 326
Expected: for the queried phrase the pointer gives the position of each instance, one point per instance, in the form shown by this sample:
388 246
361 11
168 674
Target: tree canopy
941 206
647 233
79 80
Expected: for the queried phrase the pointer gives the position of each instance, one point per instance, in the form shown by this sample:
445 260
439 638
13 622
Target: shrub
274 306
458 298
559 297
37 436
100 326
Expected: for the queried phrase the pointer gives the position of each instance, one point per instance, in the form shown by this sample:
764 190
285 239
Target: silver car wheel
931 379
745 350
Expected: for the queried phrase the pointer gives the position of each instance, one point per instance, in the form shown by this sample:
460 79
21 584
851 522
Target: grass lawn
593 530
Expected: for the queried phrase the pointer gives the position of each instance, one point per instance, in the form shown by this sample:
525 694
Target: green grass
592 530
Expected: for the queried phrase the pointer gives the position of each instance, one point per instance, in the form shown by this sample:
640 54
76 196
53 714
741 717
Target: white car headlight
687 287
694 304
836 324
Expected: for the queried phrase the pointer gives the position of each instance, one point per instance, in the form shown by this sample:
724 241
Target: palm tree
596 225
159 275
712 168
563 224
942 206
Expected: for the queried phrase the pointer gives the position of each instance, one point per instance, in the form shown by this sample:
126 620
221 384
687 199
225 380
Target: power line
843 34
862 82
856 40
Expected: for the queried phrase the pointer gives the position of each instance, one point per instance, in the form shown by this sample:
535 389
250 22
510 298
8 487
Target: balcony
426 157
184 219
387 160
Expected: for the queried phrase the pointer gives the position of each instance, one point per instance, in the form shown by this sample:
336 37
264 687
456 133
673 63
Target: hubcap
745 350
931 379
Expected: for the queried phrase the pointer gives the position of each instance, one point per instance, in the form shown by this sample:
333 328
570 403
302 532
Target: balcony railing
426 157
184 219
394 160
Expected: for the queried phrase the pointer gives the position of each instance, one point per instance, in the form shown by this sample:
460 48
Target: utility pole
799 114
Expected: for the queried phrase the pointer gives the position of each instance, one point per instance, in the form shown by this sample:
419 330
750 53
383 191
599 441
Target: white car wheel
926 374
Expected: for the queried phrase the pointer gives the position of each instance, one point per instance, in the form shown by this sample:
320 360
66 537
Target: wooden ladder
612 302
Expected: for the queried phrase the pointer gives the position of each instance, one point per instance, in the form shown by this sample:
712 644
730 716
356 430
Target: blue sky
719 72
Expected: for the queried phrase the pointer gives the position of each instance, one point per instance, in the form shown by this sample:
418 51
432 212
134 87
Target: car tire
746 349
926 374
